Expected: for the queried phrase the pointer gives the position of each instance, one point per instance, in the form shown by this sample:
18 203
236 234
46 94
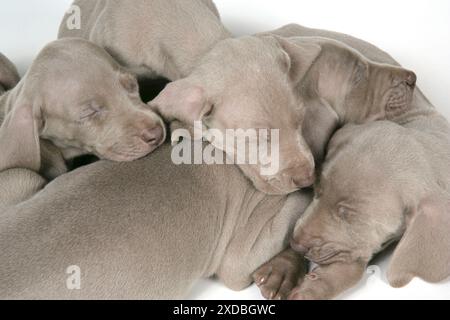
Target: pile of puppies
348 116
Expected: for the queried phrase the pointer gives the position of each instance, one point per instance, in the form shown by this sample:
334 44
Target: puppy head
358 206
250 84
89 105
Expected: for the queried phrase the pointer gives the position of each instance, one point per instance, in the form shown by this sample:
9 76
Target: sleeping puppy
380 183
148 229
63 108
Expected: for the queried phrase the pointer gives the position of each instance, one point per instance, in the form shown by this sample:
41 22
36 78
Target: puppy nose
153 136
304 181
301 176
298 247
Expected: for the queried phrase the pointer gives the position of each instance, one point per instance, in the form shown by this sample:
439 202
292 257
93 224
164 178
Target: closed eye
89 112
344 211
210 112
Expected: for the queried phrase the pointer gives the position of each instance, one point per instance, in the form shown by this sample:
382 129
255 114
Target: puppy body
158 38
381 183
191 222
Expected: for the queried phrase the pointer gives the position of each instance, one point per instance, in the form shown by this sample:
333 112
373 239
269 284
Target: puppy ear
19 139
424 250
181 101
300 56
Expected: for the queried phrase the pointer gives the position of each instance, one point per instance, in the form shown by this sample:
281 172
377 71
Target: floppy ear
300 56
181 101
424 250
19 139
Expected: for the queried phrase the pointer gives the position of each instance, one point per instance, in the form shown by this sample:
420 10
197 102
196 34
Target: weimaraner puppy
268 276
9 77
139 233
63 108
152 38
381 182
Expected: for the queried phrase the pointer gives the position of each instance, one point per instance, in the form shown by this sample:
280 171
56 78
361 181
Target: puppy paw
278 277
309 290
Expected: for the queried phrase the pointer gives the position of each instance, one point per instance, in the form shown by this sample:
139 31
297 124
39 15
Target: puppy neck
181 62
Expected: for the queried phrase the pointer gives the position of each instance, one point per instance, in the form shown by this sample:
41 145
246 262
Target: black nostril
153 136
298 247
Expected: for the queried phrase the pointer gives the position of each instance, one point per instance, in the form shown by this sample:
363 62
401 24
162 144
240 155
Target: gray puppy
380 183
426 124
142 233
156 38
99 112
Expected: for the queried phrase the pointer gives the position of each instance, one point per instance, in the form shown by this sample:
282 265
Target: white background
416 32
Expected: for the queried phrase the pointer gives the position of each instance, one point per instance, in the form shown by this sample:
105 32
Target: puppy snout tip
304 182
153 136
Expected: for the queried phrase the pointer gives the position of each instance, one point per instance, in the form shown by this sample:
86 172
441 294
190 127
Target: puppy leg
18 185
329 281
279 276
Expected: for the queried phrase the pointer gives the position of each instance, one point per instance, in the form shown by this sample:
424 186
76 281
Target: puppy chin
132 154
276 188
